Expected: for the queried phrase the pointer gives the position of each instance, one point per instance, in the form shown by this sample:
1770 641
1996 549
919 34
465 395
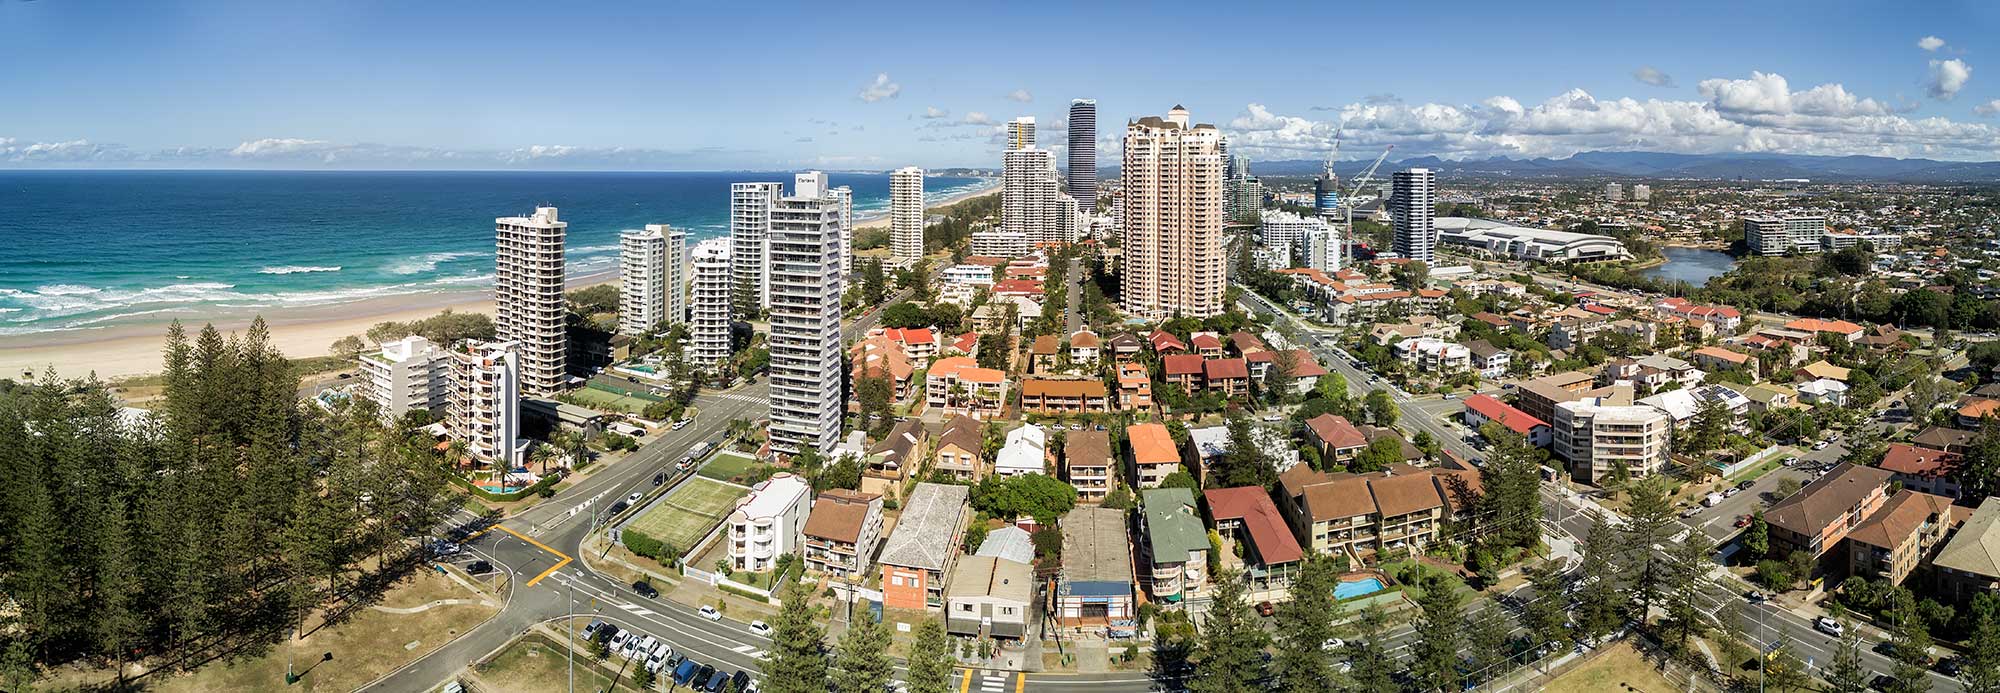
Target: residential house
1085 347
1087 464
1208 345
1890 544
1153 455
1482 408
923 547
841 533
1766 396
1924 469
892 458
1827 391
1969 563
1246 344
1184 370
1973 411
880 357
1574 327
1270 558
990 596
920 343
1176 549
1094 586
1124 347
1427 355
1229 376
1946 439
1821 370
1720 359
957 385
1135 387
1842 328
1052 397
768 523
1165 344
959 449
1338 440
1042 353
1819 516
1489 361
1026 452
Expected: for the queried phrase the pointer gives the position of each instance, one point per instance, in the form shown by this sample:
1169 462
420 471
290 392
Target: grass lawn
686 515
727 466
535 664
367 645
1621 669
599 399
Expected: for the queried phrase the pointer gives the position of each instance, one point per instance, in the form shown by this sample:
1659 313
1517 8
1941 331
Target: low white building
406 375
967 275
1501 239
768 523
1026 452
1824 391
1001 243
1597 437
1429 355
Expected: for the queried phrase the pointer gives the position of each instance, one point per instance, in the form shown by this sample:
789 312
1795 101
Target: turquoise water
89 249
1349 589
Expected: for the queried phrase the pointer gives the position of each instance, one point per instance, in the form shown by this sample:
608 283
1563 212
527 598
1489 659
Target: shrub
1774 574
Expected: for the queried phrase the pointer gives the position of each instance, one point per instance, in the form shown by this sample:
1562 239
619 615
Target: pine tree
1601 601
1372 669
797 658
1486 639
862 662
1784 672
1304 625
1439 631
1649 523
1846 673
1232 642
1544 615
1910 648
1686 578
930 659
1982 654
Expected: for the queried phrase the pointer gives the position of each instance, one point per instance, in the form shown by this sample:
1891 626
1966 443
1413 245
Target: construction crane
1347 244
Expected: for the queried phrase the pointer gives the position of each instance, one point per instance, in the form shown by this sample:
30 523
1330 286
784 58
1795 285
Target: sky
626 85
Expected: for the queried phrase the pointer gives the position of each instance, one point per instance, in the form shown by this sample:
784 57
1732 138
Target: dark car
701 676
740 682
479 568
1883 683
685 671
1948 666
716 682
619 506
645 589
1747 483
659 479
1266 609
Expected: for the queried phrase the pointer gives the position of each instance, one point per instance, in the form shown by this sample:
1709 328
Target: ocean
92 249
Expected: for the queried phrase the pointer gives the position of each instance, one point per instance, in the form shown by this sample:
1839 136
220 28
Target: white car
709 612
1331 644
678 425
645 647
631 648
634 498
1829 626
760 628
619 640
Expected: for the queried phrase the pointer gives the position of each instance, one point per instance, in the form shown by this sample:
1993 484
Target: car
717 682
1742 521
1451 395
1883 682
1691 512
1266 609
741 682
590 631
1829 626
1948 666
678 425
1754 597
659 479
685 671
443 549
700 681
479 568
645 647
709 612
760 628
1789 461
645 589
619 507
631 647
345 376
1746 484
1332 644
658 659
618 641
1821 445
634 498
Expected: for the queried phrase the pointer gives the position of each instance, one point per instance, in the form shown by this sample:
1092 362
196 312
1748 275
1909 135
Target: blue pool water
1350 589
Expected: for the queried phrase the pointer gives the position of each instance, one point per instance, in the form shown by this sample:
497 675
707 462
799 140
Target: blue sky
642 85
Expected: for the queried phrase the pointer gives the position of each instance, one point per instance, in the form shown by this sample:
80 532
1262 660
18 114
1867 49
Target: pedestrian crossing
990 682
637 610
748 651
746 399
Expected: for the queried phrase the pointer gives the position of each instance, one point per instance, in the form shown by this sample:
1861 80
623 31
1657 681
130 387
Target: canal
1692 265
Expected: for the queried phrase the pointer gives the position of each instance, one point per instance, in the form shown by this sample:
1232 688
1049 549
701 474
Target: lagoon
1692 265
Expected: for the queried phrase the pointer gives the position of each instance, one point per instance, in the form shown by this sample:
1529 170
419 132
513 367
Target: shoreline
133 349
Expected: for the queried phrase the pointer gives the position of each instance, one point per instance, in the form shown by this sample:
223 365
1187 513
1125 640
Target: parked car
678 425
645 589
1789 461
619 507
760 628
479 568
1690 512
685 671
618 640
717 682
1829 626
590 631
1742 521
1266 609
634 498
1948 666
1731 492
709 612
1746 484
660 478
701 677
1883 682
1821 445
741 682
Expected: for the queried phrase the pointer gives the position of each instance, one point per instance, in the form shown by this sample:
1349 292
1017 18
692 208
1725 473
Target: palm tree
542 454
456 452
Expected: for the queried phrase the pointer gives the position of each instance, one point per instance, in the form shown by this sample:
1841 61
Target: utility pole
569 624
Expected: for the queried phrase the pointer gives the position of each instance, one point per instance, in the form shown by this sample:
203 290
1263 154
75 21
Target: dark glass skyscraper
1083 152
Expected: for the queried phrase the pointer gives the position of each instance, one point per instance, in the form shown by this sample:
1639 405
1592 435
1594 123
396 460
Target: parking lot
633 650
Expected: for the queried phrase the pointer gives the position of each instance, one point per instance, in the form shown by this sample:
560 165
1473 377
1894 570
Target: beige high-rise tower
528 297
1172 256
906 216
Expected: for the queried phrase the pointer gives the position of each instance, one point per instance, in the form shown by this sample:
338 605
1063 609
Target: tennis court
686 515
727 466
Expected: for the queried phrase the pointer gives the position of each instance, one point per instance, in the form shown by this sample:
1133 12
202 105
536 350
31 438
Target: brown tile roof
1459 487
1219 369
1402 494
839 514
1038 387
1335 431
1939 437
1891 525
1246 342
1182 364
1268 530
1346 496
1825 501
1085 339
1087 448
964 432
1911 460
1046 345
1304 365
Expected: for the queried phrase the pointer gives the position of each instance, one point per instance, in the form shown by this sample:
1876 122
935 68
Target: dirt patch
1619 669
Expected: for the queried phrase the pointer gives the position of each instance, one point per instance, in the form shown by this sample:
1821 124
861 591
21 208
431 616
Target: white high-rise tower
652 278
1172 251
906 216
749 226
712 299
1021 132
805 337
485 404
1413 205
528 303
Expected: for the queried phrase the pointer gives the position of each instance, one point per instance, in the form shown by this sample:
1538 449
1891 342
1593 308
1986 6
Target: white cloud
975 118
934 113
1650 75
270 147
1020 95
1930 43
1947 77
1761 113
880 89
1988 109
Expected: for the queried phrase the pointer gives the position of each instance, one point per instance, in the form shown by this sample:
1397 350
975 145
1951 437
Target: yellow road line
545 547
1020 681
965 682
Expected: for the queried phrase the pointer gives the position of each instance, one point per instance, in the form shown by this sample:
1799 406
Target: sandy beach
134 349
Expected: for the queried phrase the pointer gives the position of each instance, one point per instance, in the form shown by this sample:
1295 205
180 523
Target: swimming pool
1349 589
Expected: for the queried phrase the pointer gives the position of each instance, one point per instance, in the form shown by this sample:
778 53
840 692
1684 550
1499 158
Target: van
685 672
1712 500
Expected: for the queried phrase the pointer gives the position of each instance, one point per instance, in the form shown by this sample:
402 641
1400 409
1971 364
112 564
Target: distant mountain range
1664 165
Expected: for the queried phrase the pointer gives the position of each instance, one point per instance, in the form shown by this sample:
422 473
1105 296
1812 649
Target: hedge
645 545
546 482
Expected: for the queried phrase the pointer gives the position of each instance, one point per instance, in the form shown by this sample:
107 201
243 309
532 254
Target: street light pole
569 624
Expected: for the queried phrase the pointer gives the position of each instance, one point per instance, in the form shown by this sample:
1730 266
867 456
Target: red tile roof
1160 340
1903 458
1304 365
1519 421
1206 341
1334 430
1268 530
1224 369
1151 444
1182 364
1818 325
